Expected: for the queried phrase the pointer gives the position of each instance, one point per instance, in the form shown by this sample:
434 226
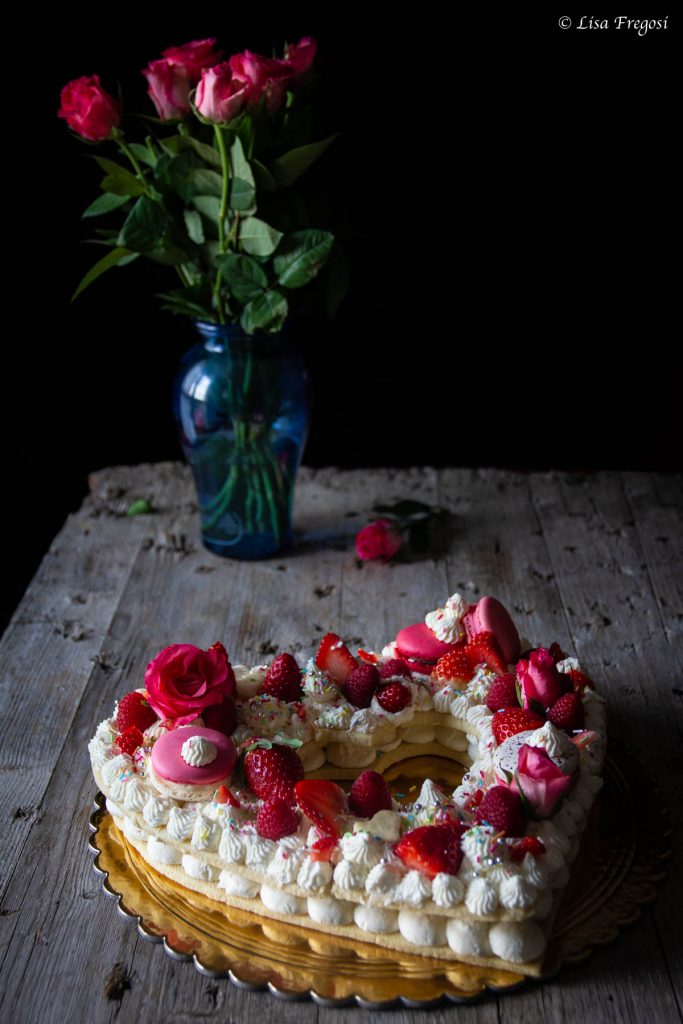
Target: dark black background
505 194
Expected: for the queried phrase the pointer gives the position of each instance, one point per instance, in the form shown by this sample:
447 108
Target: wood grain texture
594 562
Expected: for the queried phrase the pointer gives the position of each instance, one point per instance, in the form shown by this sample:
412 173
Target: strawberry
335 658
368 656
134 709
224 796
484 647
129 740
580 681
323 849
474 800
432 849
369 794
394 697
530 844
567 713
510 721
394 667
323 802
502 809
221 717
359 688
273 771
502 693
455 667
283 679
276 819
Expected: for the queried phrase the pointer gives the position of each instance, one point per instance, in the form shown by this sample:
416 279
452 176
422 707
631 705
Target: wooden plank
617 631
656 503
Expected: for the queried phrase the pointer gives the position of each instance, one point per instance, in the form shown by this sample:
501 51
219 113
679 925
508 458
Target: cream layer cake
223 779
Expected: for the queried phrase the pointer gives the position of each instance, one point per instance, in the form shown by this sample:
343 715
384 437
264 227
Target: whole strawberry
369 794
283 679
394 697
455 667
502 693
134 709
502 809
276 819
567 713
360 687
510 721
273 771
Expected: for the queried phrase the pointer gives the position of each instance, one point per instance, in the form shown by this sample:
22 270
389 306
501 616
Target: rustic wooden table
592 561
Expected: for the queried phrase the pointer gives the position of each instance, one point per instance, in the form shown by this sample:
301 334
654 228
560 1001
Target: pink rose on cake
539 781
539 680
183 681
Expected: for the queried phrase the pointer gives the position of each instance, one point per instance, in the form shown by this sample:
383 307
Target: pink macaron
490 616
170 765
421 649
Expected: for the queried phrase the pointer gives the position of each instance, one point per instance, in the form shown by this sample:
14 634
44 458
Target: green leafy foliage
300 256
104 204
243 275
287 168
114 258
258 238
148 229
267 312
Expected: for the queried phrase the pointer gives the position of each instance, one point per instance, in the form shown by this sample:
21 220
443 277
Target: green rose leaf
240 164
242 185
244 276
144 227
195 228
104 204
300 256
205 182
209 206
266 313
191 301
112 259
177 143
263 179
144 154
290 166
258 238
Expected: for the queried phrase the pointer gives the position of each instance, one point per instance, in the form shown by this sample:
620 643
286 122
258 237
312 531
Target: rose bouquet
212 191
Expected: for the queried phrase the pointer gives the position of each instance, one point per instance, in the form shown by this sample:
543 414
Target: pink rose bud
182 681
539 680
539 781
89 109
265 78
380 539
301 56
220 97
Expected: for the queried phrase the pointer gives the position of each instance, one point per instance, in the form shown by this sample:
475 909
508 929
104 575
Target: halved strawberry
484 647
510 721
335 658
368 656
580 680
323 802
457 667
323 848
224 796
530 844
432 849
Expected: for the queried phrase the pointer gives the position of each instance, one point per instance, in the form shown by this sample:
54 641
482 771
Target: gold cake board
622 858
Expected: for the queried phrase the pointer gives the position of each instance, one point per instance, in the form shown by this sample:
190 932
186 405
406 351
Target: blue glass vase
241 403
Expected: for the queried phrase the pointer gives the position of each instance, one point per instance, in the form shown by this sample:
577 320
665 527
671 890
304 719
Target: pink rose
183 680
171 78
89 109
193 57
539 679
220 97
301 56
265 78
380 539
539 781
